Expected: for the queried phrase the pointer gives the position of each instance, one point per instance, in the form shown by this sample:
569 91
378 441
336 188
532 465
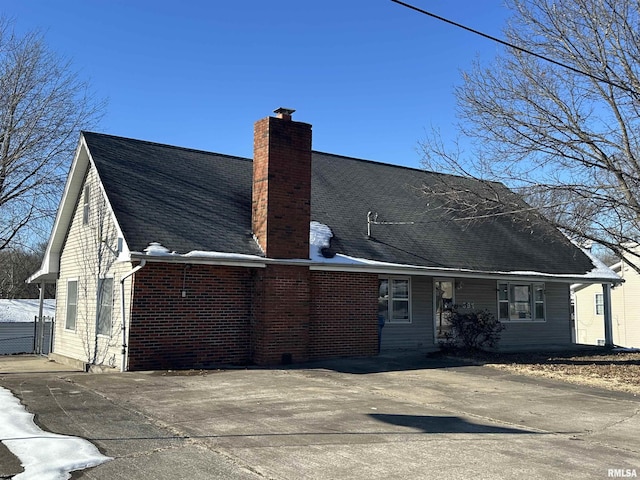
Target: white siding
89 253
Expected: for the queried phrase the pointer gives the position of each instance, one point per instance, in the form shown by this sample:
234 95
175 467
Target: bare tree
43 105
567 139
16 265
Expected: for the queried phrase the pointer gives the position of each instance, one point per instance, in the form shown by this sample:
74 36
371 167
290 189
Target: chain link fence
26 337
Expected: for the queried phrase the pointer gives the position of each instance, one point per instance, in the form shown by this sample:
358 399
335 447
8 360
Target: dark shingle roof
192 200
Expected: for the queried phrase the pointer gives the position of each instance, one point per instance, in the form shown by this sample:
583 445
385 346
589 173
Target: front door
443 301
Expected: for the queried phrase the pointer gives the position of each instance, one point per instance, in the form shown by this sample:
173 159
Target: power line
521 49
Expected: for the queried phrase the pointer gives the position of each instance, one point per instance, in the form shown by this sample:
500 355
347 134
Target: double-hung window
105 305
520 301
599 304
72 304
394 299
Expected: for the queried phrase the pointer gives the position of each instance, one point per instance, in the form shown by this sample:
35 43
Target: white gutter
365 266
122 311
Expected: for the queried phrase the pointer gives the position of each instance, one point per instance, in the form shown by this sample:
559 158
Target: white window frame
390 299
596 304
100 305
75 304
533 301
86 205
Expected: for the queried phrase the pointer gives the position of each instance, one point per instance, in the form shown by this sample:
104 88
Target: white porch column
40 330
608 322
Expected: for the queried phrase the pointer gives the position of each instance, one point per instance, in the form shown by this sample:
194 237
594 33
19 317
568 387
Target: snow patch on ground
44 455
25 310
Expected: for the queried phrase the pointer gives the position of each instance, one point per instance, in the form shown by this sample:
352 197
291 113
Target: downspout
122 307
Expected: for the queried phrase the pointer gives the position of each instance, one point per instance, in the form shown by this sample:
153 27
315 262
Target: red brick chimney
281 203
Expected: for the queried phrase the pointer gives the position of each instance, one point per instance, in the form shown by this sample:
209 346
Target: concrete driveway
382 418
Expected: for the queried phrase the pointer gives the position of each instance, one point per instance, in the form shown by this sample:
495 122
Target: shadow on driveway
390 362
441 424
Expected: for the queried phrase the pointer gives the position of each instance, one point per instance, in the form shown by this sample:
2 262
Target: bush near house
472 331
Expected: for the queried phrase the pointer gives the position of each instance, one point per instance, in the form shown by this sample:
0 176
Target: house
166 257
589 307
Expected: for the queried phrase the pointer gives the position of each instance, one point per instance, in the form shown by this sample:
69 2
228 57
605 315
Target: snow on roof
43 455
320 238
25 310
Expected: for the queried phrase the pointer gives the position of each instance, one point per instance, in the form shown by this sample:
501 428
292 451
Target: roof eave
379 268
50 266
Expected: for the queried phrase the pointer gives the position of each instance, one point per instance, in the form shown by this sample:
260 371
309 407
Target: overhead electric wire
521 49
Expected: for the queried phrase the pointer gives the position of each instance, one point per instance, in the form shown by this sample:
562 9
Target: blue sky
371 76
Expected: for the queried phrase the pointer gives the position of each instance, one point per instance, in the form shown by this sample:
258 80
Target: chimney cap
284 113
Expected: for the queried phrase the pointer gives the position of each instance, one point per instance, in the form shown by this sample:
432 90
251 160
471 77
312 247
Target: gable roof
189 200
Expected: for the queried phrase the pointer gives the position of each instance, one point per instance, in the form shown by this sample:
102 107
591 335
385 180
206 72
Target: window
393 300
85 206
599 304
105 305
521 301
72 304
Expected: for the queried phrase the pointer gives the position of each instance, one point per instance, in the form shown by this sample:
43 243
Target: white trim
81 164
532 302
595 304
390 299
66 307
254 261
99 305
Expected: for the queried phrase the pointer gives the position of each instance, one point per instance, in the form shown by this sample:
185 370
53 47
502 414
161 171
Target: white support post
40 330
608 322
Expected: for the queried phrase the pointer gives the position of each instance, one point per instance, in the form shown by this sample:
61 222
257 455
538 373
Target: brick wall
344 312
281 195
235 315
209 326
281 312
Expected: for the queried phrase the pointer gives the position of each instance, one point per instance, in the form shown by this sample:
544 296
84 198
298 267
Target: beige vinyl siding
90 252
589 325
626 320
417 335
625 311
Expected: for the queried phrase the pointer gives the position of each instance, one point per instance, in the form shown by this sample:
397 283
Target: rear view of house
166 257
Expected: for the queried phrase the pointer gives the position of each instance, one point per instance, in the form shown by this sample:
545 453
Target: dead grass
618 371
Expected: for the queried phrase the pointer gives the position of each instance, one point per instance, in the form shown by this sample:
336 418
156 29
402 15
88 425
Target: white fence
25 337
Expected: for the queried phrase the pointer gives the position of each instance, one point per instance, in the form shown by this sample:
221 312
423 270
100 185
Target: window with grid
521 301
394 300
105 305
72 304
599 304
